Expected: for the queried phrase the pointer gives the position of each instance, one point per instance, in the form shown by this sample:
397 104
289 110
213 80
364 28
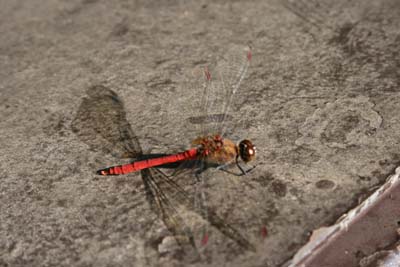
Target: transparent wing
166 195
158 189
217 85
101 123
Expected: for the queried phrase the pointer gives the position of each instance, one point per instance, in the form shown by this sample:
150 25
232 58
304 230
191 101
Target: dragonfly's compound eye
247 151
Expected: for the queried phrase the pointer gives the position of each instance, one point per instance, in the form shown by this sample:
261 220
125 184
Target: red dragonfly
210 148
101 122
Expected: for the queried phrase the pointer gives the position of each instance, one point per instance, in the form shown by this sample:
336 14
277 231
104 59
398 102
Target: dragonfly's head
247 151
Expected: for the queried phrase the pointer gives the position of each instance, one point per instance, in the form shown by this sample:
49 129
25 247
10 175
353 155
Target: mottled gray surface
320 101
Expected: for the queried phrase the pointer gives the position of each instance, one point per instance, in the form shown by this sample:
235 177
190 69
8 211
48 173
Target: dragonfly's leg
251 168
240 167
242 171
231 172
223 167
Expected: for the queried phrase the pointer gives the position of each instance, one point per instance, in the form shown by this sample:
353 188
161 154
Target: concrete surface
320 101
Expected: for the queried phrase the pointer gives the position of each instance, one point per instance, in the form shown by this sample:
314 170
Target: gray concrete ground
320 101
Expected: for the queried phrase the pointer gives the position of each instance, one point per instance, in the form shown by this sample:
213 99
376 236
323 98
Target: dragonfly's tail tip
102 172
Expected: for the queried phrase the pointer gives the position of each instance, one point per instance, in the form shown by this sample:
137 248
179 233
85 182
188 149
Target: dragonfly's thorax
215 149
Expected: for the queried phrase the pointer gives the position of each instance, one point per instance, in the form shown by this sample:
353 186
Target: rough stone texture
320 101
362 236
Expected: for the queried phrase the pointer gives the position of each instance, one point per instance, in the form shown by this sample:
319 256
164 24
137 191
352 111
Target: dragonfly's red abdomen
148 163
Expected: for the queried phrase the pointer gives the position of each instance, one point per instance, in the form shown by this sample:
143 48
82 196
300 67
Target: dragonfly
212 149
101 122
